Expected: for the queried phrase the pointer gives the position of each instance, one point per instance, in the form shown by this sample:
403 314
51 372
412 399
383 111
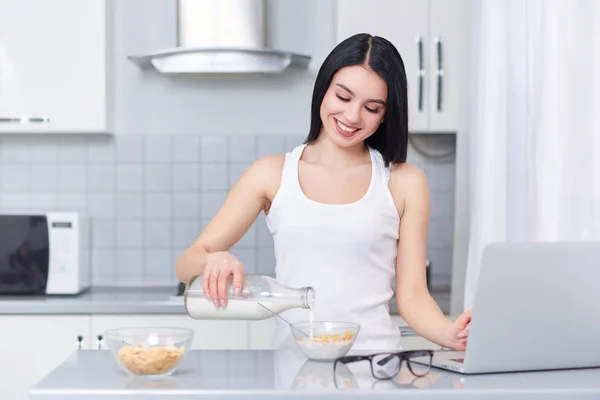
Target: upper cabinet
56 66
430 36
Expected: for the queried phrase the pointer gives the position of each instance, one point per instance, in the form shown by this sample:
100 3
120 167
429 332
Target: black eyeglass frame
405 355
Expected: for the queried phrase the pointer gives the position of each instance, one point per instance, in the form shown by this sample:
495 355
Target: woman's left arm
409 188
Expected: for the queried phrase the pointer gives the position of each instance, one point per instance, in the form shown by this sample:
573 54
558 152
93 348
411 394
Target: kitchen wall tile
72 177
101 205
269 145
213 149
159 263
103 264
72 149
236 171
103 233
263 236
14 177
14 150
210 203
43 177
72 201
130 177
101 177
184 232
157 177
157 205
242 148
129 262
292 141
265 261
186 148
44 201
157 233
247 257
129 205
44 150
129 233
185 205
101 150
214 177
157 148
130 149
185 177
176 252
14 200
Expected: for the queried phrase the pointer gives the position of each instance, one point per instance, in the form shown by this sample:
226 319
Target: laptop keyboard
458 360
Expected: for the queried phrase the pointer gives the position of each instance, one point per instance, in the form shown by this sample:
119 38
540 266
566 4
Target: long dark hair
391 137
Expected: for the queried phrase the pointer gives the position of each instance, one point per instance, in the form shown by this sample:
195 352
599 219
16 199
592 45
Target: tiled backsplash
149 196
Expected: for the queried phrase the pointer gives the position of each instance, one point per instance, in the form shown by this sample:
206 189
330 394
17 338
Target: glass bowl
149 351
325 340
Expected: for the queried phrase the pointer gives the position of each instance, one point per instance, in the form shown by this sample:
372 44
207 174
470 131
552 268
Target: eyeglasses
387 365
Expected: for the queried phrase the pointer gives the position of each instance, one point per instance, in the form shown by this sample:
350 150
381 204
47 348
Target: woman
346 211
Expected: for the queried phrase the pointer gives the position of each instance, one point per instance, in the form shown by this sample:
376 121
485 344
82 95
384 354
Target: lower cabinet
33 345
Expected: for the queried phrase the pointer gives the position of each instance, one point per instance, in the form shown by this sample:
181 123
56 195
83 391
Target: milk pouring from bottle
255 289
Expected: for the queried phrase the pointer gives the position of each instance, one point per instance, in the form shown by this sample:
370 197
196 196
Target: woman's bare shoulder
408 183
265 172
407 174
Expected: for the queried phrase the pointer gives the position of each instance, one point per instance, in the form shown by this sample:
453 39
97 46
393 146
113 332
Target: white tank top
346 252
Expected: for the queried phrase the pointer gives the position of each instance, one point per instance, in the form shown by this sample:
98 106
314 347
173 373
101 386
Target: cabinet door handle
24 120
439 72
79 342
420 71
100 342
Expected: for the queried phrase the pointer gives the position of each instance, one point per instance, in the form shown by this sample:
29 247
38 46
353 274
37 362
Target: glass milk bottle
256 290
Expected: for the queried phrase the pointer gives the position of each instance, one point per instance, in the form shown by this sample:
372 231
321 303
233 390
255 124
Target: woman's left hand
459 331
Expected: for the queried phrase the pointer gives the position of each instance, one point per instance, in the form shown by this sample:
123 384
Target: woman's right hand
219 267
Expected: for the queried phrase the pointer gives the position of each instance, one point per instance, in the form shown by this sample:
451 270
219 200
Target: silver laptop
537 307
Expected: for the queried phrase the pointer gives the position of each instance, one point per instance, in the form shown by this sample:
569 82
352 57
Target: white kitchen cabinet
31 346
430 36
208 334
56 66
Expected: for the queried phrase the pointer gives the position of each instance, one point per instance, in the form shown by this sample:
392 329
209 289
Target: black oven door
24 254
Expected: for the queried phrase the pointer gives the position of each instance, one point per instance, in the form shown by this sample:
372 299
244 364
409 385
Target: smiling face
353 106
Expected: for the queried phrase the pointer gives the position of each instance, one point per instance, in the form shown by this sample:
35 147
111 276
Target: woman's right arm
247 198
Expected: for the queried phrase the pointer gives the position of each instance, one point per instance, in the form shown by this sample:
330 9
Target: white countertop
259 374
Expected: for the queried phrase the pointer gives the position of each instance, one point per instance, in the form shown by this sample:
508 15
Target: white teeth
345 128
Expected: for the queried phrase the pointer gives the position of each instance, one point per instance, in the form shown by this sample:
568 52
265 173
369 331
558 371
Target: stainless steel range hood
221 36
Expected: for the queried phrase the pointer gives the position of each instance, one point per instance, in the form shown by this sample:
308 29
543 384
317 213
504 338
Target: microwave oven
44 253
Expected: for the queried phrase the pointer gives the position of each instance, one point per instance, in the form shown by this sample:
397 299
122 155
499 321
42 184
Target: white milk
202 308
324 351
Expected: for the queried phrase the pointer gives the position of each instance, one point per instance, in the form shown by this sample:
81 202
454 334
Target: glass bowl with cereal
149 351
325 340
